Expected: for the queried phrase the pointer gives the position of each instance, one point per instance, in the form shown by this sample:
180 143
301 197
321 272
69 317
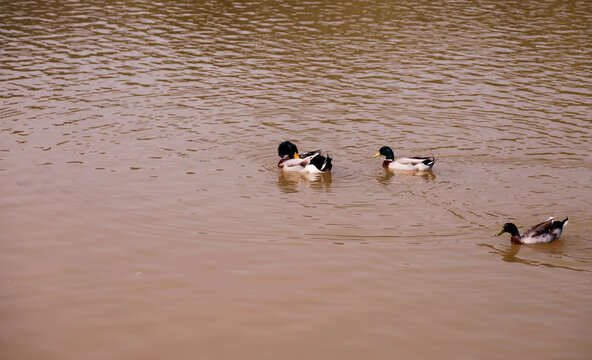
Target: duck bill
296 156
500 232
375 155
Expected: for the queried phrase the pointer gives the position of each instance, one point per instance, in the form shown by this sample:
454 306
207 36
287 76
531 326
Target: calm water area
142 214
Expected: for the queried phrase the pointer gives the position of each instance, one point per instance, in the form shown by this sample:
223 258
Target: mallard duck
414 163
311 162
544 232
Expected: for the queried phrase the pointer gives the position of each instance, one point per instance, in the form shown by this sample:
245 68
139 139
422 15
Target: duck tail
327 164
429 161
323 163
559 224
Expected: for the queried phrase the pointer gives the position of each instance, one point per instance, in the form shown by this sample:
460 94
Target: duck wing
539 229
414 160
546 227
297 164
322 163
546 231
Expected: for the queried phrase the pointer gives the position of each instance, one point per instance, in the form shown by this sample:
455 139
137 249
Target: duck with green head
544 232
412 163
310 162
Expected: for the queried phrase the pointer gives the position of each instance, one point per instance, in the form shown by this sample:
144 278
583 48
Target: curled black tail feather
322 163
429 161
560 224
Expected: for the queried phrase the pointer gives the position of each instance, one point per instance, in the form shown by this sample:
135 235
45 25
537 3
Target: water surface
143 216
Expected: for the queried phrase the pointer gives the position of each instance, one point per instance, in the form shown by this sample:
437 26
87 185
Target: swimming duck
544 232
311 162
415 163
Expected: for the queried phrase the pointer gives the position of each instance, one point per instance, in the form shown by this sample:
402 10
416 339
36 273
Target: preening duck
544 232
311 162
414 163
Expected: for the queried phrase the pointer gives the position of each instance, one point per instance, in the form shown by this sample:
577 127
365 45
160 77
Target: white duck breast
291 165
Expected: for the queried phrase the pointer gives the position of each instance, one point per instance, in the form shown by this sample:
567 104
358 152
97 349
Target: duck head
509 228
513 230
288 149
387 152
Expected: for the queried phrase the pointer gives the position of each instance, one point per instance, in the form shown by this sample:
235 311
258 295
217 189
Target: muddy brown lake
143 216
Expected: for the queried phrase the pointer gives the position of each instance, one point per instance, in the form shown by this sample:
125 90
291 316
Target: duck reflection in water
289 182
510 254
384 177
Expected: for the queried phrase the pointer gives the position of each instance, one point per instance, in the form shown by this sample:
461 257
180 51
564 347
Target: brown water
143 216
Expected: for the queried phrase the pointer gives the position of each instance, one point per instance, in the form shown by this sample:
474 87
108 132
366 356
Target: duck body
413 163
410 163
311 162
544 232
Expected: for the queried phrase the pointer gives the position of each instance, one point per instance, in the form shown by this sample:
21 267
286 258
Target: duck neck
516 239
